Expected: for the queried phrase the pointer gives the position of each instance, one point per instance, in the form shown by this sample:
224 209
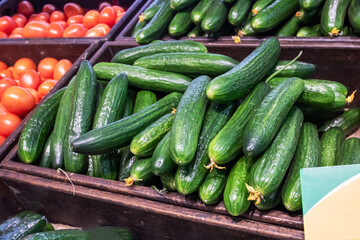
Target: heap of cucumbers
201 122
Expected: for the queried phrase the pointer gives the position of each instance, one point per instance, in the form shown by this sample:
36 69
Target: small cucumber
45 160
210 191
179 5
350 152
138 26
290 28
354 14
161 162
215 17
333 17
152 9
199 11
309 17
247 30
259 5
238 12
309 31
307 155
347 122
140 172
195 32
181 23
296 69
310 4
168 181
331 143
127 159
143 100
269 202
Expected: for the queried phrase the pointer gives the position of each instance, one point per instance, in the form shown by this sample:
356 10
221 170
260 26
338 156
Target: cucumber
210 191
228 142
269 202
235 193
333 17
310 4
215 17
354 14
269 170
179 5
161 162
45 160
152 9
110 109
238 12
143 100
181 23
130 55
200 10
247 30
309 17
347 122
309 31
37 129
195 32
317 115
290 28
138 26
238 81
81 116
144 78
274 14
168 181
49 227
307 155
260 130
193 64
331 143
296 69
157 26
184 134
259 5
140 172
350 152
119 133
189 177
22 224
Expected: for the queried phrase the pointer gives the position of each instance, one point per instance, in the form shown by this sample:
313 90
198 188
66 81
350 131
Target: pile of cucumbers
198 122
214 18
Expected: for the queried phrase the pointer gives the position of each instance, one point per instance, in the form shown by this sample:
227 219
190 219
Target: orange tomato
6 73
3 66
91 18
21 65
94 32
7 24
2 139
46 67
3 35
17 82
61 68
3 110
103 5
19 19
30 79
18 100
62 23
43 16
36 29
16 35
119 17
72 9
55 30
57 16
35 94
75 19
8 123
32 17
118 10
103 27
18 30
25 8
45 87
75 30
107 16
48 8
5 83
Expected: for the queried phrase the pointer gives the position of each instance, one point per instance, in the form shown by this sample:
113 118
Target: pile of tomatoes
73 21
23 85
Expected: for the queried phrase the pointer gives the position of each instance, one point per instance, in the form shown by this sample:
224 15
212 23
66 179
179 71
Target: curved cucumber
143 100
259 5
309 31
210 191
200 10
310 4
354 14
331 143
161 162
347 122
45 160
333 17
238 12
168 181
215 17
140 172
269 202
350 152
181 23
296 69
290 28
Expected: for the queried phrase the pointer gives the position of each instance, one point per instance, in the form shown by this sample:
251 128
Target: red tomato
2 139
19 19
103 5
46 67
103 27
75 30
3 110
7 24
94 32
16 35
35 94
5 83
36 29
107 16
119 17
75 19
57 16
18 30
8 123
43 16
91 18
17 82
72 9
48 8
18 100
61 68
6 73
30 79
21 65
45 87
118 9
55 30
32 17
25 8
3 35
3 66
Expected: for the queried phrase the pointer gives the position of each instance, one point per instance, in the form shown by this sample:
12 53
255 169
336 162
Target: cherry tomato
91 18
3 35
43 16
5 83
46 67
75 30
45 87
48 8
21 65
94 32
57 16
3 66
7 24
55 30
30 79
8 123
18 100
35 94
36 29
25 8
118 9
119 17
72 9
19 19
3 110
2 139
75 19
103 27
103 5
61 68
107 16
6 73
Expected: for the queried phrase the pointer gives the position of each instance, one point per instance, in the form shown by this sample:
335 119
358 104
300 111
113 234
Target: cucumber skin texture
350 152
259 5
269 170
210 191
235 193
189 63
333 16
168 181
152 9
143 100
45 160
238 81
260 131
307 155
238 12
130 55
309 31
119 133
290 28
138 27
178 5
269 202
274 14
161 162
181 23
141 171
331 144
199 11
215 17
189 177
296 69
310 4
144 78
37 129
347 122
227 144
22 224
354 14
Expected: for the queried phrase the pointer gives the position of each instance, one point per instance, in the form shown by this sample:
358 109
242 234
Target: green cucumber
168 181
347 122
331 143
228 142
310 4
247 30
157 26
268 117
200 10
333 17
215 17
237 82
37 129
81 116
130 55
193 64
354 14
350 152
210 191
269 202
138 26
296 69
290 28
161 162
269 170
181 23
309 31
189 177
49 227
259 5
195 32
143 100
22 224
179 5
184 134
238 12
140 172
152 9
45 160
119 133
309 17
307 155
274 14
144 78
235 193
317 115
